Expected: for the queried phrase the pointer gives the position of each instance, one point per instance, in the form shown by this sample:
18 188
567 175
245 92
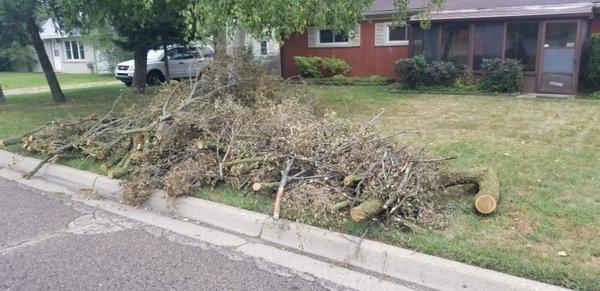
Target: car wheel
155 78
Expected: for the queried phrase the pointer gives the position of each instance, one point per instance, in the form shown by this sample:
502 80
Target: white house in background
69 52
265 51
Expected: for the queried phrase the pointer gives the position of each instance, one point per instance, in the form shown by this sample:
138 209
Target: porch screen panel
455 43
425 41
522 43
488 42
559 49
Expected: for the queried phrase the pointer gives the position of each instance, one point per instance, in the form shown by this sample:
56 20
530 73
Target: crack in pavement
30 242
93 221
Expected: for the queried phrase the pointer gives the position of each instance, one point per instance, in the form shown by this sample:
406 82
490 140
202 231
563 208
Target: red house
548 36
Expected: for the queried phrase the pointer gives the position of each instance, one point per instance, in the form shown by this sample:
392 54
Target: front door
560 57
56 54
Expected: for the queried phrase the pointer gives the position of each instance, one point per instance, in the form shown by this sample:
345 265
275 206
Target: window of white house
397 34
74 50
330 36
264 47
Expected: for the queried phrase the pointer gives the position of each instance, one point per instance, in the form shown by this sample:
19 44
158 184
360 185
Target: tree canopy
281 18
141 25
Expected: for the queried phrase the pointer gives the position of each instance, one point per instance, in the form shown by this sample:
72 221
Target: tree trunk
140 58
166 61
2 99
38 44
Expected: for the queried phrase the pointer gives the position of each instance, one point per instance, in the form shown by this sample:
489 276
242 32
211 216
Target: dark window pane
264 49
75 50
397 33
426 41
488 43
82 51
455 44
522 43
68 50
326 36
341 37
329 36
561 34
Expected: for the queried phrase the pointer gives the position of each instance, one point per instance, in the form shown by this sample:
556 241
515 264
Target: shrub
416 72
412 71
501 76
333 66
443 73
308 66
318 67
466 83
592 69
595 95
339 78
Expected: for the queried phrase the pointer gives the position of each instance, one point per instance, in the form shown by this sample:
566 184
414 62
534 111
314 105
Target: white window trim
66 58
389 42
267 47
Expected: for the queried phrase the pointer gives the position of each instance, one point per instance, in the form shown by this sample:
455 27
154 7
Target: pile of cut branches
252 133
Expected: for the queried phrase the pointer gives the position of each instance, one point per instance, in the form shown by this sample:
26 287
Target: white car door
177 62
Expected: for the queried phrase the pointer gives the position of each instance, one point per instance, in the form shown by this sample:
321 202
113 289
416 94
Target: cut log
9 141
265 186
352 180
341 206
488 196
120 173
367 210
13 140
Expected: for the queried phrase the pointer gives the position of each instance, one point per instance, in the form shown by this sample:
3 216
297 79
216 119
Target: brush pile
251 133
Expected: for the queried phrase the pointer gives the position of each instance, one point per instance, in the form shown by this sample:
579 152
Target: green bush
592 70
339 78
412 71
501 76
443 73
318 67
417 72
333 67
308 66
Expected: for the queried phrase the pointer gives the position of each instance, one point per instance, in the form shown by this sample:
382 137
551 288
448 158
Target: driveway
50 242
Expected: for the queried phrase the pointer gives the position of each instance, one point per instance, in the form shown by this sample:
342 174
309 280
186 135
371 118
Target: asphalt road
50 242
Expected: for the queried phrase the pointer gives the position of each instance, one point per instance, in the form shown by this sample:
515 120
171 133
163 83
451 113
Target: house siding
365 60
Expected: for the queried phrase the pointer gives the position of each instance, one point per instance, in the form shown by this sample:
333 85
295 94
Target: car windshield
155 55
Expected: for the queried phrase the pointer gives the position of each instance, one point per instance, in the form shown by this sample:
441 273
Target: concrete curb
63 175
405 265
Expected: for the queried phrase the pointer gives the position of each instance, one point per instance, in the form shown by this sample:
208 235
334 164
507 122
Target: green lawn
14 80
545 152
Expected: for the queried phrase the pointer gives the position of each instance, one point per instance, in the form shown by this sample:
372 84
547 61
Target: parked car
184 62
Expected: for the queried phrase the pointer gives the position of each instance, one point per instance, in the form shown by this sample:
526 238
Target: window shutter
355 41
380 34
313 34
